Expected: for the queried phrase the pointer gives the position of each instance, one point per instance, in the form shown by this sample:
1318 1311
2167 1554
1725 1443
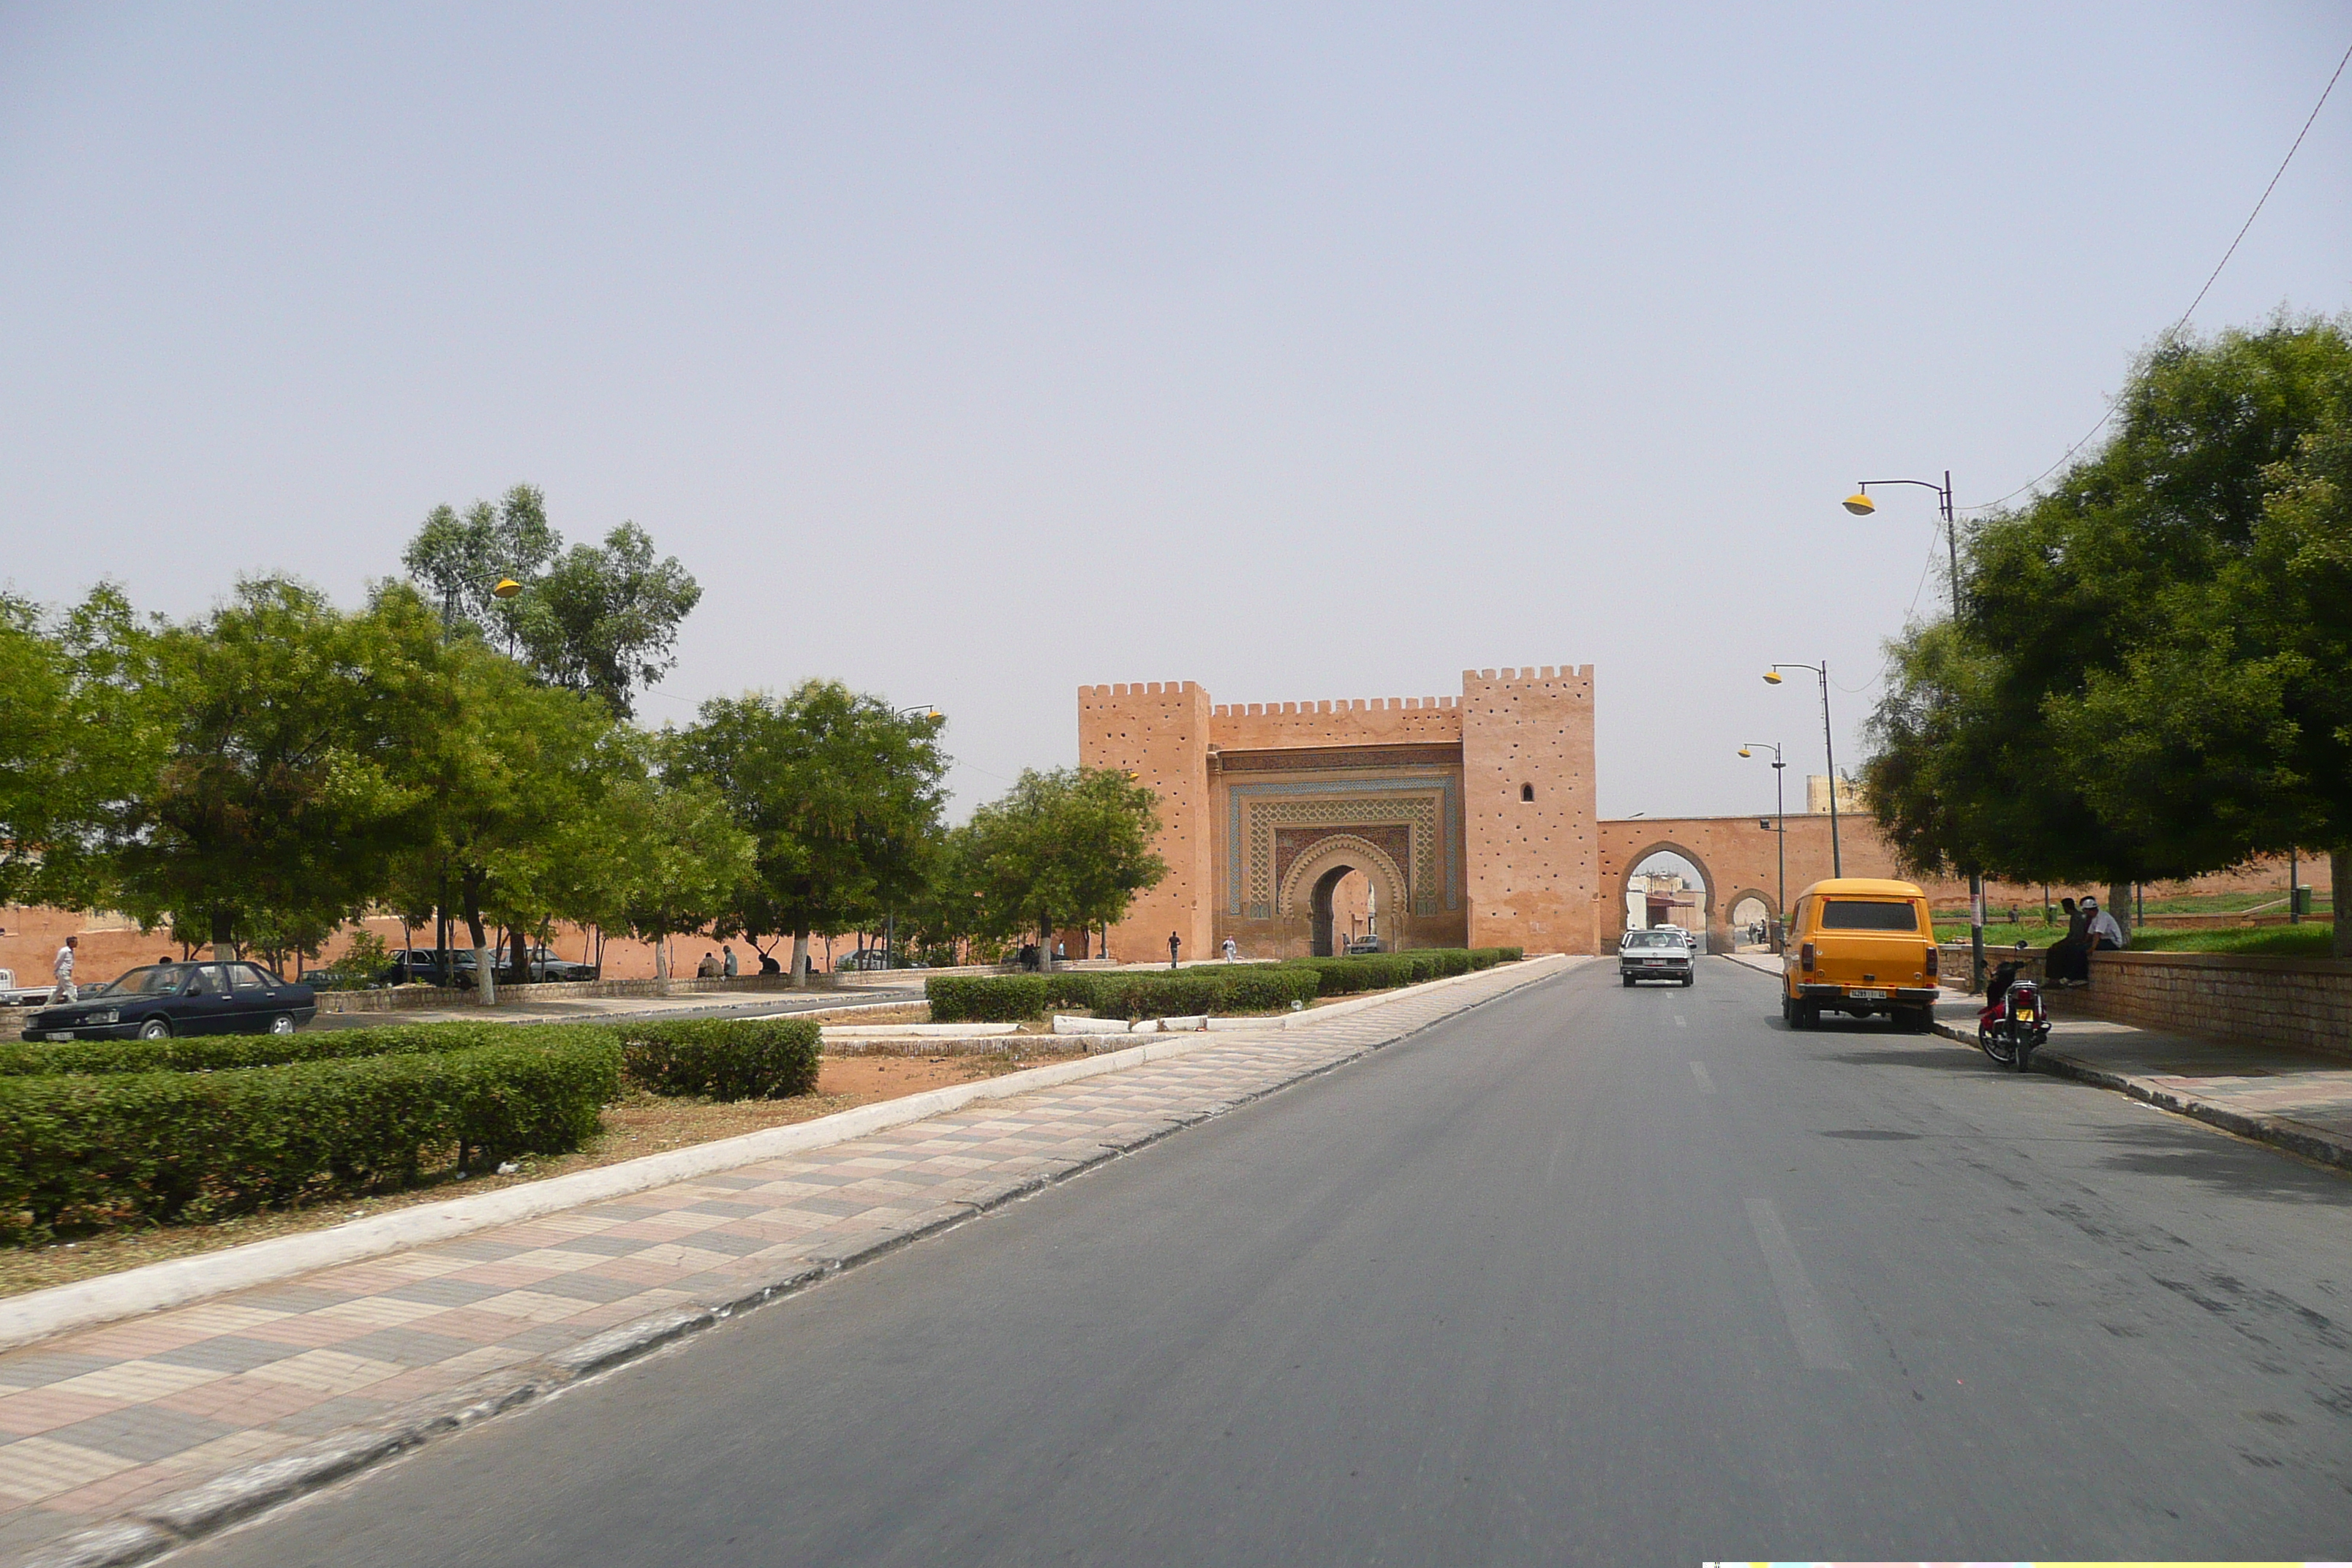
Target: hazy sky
967 353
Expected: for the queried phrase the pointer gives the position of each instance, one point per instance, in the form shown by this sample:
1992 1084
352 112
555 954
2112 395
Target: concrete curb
2295 1137
186 1516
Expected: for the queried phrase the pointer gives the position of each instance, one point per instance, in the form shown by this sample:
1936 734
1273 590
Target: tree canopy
2147 677
1072 846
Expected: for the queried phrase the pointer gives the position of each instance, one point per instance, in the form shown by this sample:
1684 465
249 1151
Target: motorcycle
2014 1023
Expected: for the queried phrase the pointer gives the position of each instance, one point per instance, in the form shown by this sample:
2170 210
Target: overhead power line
2068 455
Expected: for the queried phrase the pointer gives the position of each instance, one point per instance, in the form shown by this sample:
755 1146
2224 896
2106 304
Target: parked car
160 1000
868 958
1859 945
1661 953
545 965
449 966
15 995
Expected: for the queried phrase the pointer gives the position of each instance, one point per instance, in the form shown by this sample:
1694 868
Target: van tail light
1934 956
1805 957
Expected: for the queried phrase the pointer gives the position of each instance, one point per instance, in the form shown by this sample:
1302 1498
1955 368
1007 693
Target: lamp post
1861 505
1780 822
1829 750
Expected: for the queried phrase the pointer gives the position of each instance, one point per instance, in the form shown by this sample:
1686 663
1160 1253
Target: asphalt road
1585 1276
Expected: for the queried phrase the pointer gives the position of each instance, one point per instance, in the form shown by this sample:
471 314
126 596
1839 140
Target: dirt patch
640 1124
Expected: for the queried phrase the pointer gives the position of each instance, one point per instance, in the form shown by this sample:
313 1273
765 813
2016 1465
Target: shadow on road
2169 1146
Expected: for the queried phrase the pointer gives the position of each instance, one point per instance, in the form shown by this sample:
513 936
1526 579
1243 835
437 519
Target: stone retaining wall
2303 1002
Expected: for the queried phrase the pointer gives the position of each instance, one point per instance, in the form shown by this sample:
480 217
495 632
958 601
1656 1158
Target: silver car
1662 954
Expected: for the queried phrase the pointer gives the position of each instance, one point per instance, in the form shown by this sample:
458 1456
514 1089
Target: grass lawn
2309 939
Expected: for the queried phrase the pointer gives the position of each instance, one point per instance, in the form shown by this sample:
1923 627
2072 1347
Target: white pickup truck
15 995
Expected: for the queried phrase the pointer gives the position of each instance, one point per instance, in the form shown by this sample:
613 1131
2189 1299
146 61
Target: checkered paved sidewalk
95 1425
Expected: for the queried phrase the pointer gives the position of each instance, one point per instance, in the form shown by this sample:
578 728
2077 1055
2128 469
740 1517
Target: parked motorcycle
2014 1023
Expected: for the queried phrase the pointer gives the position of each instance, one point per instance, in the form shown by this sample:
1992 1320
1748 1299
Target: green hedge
1383 971
82 1151
1134 994
210 1053
986 998
724 1058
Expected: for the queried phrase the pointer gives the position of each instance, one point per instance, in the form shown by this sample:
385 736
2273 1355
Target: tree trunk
2118 904
522 952
661 964
800 960
224 936
485 983
2340 866
1045 944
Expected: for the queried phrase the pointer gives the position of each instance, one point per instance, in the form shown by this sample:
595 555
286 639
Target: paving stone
142 1432
227 1352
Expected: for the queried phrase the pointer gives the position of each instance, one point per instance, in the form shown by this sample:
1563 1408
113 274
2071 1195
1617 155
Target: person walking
62 967
1233 950
1175 946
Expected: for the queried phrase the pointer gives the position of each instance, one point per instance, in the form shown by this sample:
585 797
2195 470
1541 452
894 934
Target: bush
724 1058
209 1053
1487 957
1380 971
82 1151
1010 998
986 998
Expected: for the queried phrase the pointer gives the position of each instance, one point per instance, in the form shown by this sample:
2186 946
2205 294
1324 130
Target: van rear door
1874 944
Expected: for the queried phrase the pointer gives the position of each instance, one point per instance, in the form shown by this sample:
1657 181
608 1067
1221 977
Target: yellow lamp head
1771 678
1860 505
507 589
1744 752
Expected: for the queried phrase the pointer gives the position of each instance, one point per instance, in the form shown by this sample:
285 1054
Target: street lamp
1781 817
1861 505
1829 750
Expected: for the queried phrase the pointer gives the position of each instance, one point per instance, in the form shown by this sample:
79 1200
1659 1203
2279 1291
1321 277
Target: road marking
1699 1071
1681 1022
1809 1315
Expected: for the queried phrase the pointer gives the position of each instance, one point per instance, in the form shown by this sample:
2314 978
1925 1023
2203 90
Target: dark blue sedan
166 999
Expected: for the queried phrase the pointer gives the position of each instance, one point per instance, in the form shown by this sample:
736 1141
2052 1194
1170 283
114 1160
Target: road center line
1809 1317
1699 1071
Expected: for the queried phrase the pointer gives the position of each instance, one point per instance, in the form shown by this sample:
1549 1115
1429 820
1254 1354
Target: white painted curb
158 1286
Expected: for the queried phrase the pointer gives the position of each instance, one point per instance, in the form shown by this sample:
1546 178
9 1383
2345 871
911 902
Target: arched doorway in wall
1665 884
1339 875
1751 915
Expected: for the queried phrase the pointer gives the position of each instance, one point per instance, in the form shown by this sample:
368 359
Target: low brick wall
2301 1003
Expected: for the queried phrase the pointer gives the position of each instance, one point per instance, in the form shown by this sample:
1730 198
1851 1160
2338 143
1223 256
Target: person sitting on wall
2106 933
768 964
2068 961
708 968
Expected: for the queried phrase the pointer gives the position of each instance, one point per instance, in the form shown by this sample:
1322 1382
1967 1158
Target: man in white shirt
2104 934
64 966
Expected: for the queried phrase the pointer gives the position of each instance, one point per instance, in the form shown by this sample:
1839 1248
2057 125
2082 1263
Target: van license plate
1860 995
61 1033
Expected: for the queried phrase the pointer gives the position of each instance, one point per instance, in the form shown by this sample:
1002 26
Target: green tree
511 769
460 558
594 619
1071 847
604 620
2147 677
842 796
79 743
687 859
283 789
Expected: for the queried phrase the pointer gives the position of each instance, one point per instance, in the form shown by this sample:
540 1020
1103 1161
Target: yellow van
1860 945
